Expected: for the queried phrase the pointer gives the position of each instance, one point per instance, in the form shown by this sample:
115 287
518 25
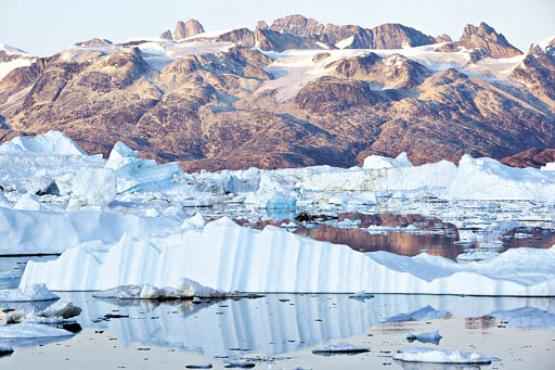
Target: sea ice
439 356
33 293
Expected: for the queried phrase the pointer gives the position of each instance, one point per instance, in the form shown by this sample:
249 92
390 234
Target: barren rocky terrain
293 93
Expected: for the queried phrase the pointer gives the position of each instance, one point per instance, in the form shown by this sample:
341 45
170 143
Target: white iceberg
229 258
438 356
32 232
187 289
376 162
488 179
94 186
428 337
33 293
136 174
50 143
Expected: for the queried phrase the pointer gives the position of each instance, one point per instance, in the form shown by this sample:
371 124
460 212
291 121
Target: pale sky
43 27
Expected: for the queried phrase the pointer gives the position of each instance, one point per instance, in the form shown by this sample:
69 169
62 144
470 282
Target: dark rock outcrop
184 29
486 38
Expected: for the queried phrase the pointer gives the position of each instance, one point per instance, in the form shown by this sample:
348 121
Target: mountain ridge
285 95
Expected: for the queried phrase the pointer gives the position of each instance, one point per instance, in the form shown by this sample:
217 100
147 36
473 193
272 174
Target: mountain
296 92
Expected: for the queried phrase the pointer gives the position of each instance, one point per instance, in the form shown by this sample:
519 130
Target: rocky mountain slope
293 93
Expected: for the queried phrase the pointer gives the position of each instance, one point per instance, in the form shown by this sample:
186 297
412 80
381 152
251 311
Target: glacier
229 258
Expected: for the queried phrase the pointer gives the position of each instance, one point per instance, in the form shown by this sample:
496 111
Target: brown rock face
95 43
186 29
531 158
397 36
241 37
537 73
386 36
485 37
221 107
392 72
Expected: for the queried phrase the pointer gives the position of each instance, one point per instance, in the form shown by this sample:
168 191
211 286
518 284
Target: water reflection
403 243
424 366
272 325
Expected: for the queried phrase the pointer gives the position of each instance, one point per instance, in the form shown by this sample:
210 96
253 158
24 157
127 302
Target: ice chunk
439 356
376 162
195 222
488 179
31 232
428 337
94 186
60 311
36 292
187 289
51 143
28 202
4 202
136 174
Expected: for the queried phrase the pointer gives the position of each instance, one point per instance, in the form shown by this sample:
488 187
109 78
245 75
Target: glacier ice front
227 257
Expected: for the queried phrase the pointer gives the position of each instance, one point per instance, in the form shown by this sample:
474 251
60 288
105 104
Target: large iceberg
50 143
26 232
228 257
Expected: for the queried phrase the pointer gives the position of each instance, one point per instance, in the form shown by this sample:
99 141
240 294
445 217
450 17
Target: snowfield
126 221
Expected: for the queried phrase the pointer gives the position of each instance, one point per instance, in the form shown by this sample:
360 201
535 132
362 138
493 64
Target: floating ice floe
439 356
230 258
428 337
31 334
187 289
33 293
57 313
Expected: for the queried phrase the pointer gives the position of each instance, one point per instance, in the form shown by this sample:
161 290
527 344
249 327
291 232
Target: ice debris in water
33 293
440 356
187 289
429 337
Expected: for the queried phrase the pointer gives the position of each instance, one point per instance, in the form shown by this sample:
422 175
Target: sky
43 27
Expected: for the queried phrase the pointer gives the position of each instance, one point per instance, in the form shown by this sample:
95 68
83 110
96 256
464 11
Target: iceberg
94 186
376 162
187 289
429 337
230 258
136 174
488 179
50 143
34 232
438 356
34 293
